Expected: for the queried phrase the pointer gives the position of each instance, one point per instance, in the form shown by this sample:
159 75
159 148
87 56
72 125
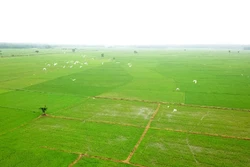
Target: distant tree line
20 45
247 48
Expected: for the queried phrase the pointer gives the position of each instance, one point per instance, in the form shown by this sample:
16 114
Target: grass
203 120
75 136
114 111
164 148
101 110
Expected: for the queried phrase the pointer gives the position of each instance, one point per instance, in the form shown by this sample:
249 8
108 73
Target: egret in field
174 110
102 63
73 79
80 66
48 65
70 66
177 89
195 81
55 64
63 66
44 69
86 63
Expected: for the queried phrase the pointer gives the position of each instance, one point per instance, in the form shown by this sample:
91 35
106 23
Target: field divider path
172 103
84 120
78 158
11 130
200 133
81 155
142 136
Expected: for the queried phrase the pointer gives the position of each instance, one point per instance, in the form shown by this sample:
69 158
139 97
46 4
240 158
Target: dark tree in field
37 51
229 51
135 52
102 54
73 50
113 58
43 109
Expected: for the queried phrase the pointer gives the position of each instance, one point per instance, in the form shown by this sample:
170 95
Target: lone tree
37 51
102 54
135 52
43 109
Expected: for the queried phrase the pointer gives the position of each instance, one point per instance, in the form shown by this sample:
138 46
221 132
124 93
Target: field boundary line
84 120
21 109
81 155
200 133
142 136
44 92
13 129
172 103
77 159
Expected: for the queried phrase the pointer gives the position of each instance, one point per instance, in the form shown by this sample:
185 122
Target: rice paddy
115 107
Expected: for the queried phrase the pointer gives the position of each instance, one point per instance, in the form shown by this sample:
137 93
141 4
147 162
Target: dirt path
142 136
78 158
88 156
200 133
125 124
172 103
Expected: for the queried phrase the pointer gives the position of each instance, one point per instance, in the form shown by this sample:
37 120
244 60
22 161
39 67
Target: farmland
124 108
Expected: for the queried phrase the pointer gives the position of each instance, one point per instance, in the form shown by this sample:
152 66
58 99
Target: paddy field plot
159 107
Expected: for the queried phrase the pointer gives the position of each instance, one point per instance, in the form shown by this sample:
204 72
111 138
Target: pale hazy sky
125 22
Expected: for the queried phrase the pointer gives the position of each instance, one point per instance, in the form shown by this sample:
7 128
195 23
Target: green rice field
154 108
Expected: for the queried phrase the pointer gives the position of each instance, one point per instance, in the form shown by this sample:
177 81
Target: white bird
80 66
177 88
102 63
44 69
48 65
63 66
55 64
174 110
168 106
73 80
195 81
70 66
86 63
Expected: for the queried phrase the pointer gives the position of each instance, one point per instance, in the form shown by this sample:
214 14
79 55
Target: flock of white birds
71 64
